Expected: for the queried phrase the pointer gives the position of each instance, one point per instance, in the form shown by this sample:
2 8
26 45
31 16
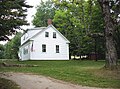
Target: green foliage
12 16
96 27
79 21
45 11
75 20
12 47
86 73
1 51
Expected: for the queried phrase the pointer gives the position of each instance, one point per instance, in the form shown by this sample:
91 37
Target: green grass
86 73
7 84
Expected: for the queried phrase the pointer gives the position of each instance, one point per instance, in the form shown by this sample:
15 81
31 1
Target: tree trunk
111 53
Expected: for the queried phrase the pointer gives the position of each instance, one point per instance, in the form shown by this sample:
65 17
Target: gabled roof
54 29
42 29
60 33
36 28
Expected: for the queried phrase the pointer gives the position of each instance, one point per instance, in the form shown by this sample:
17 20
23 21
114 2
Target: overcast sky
31 11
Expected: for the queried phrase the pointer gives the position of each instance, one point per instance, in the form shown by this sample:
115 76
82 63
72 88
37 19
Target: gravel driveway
30 81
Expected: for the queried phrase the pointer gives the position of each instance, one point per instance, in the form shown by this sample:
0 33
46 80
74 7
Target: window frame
25 50
57 49
54 35
44 48
46 34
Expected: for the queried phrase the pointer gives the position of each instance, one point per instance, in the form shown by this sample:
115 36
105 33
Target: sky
31 11
30 14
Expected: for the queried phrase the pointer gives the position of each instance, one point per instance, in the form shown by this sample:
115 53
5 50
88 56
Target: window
43 48
46 34
24 38
25 50
54 34
57 48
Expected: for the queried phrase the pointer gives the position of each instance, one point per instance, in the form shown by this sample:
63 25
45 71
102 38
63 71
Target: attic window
46 34
54 34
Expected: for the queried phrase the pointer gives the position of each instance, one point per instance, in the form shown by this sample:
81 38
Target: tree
65 25
2 51
110 22
45 11
117 38
96 28
12 16
70 20
12 47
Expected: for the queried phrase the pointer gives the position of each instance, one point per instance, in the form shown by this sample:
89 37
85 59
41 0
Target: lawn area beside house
86 73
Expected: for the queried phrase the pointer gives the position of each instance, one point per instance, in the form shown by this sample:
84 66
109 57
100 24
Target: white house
44 43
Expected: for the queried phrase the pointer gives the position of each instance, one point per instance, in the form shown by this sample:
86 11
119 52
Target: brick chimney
49 22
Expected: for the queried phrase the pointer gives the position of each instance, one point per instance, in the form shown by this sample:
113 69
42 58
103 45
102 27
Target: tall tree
70 19
111 53
96 28
45 11
12 16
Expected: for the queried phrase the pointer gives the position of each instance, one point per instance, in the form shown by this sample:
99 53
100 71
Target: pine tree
12 16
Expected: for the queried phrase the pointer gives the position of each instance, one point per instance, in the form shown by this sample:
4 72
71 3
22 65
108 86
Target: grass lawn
86 73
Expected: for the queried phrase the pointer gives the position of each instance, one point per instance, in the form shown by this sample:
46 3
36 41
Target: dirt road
30 81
